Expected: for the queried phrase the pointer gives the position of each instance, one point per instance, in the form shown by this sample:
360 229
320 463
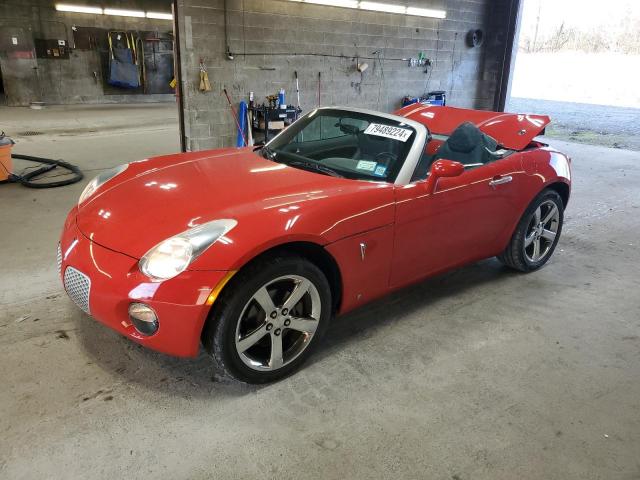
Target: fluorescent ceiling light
61 7
383 7
335 3
123 13
426 12
379 7
160 16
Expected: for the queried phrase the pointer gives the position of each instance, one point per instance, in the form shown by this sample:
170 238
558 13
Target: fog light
143 318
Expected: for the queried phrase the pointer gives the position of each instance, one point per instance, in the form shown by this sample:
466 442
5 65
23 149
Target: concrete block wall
66 81
269 39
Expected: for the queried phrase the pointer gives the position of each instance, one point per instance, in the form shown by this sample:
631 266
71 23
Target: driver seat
467 145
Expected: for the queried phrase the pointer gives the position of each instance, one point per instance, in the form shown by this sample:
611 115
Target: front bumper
106 282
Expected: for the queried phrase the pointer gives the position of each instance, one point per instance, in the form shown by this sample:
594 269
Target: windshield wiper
315 166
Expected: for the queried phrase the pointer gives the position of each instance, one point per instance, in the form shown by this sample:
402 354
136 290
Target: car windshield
343 143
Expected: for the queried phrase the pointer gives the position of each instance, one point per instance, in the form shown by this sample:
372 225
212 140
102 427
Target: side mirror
442 168
446 168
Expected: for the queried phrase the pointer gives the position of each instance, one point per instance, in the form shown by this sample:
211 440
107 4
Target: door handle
500 180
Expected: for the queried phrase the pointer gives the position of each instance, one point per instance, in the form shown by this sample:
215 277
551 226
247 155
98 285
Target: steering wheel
386 157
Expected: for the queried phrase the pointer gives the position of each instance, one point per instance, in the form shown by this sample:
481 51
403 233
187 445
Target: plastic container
437 97
281 99
6 165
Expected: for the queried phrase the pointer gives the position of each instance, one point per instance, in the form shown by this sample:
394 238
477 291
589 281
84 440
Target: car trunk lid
513 131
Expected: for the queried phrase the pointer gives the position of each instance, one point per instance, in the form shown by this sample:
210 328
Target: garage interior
477 373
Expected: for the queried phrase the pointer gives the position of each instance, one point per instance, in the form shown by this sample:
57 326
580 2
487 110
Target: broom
205 86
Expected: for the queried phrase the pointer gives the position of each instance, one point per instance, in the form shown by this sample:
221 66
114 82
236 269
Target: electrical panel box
50 48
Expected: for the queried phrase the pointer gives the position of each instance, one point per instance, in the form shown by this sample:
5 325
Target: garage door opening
92 83
580 65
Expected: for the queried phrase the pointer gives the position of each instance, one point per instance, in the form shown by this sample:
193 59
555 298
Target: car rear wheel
269 319
537 233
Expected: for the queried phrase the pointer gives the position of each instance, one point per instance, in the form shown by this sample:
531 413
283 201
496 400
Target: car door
462 220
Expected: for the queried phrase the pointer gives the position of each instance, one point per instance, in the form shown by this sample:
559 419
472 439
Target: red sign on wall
22 54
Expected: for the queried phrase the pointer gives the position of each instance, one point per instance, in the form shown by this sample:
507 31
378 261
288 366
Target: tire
521 253
241 321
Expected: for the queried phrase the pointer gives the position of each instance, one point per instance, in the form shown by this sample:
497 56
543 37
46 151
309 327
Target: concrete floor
478 374
71 120
616 127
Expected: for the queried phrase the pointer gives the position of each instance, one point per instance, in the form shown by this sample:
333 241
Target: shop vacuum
34 177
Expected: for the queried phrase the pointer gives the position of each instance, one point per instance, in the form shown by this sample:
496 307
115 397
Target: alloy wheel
278 322
541 231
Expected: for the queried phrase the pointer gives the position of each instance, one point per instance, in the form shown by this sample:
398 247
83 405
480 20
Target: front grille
78 287
59 259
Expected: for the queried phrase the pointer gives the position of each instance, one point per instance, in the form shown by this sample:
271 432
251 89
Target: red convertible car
251 251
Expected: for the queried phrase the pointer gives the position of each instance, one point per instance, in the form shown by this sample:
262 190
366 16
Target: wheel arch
314 252
320 257
558 185
562 189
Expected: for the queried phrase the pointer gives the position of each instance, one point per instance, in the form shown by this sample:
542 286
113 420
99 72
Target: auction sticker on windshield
367 165
388 131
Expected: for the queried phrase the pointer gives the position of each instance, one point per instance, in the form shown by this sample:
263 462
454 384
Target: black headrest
465 138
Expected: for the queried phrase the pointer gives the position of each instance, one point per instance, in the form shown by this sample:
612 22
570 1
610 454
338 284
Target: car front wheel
537 233
269 318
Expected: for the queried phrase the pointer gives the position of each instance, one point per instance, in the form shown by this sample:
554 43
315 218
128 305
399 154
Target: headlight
173 255
93 185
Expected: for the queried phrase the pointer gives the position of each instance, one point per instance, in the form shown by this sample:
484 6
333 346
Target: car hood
155 199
